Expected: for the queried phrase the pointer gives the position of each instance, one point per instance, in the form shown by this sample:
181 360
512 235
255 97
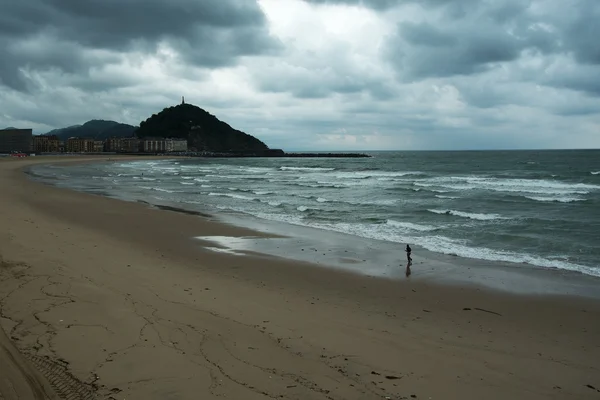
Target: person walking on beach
408 251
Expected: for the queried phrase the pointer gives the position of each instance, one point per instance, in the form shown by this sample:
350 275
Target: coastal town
23 141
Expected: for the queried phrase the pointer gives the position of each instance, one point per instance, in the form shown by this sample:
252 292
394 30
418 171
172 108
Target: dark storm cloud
10 75
471 44
40 54
467 37
208 33
114 24
435 52
583 33
585 79
117 24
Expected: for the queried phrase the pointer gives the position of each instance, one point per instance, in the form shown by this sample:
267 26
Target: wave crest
477 216
306 169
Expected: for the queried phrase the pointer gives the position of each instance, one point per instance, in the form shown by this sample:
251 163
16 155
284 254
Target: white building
176 145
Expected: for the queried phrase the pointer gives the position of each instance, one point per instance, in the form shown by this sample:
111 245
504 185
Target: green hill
95 129
203 131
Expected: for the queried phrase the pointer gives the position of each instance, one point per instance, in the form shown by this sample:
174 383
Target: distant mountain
203 131
95 129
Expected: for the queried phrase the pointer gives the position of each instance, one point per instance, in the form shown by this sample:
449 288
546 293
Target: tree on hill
203 131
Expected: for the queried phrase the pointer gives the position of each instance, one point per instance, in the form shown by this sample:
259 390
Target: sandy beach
101 298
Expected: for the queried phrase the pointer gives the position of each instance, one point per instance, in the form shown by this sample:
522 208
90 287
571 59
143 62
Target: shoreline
380 258
136 307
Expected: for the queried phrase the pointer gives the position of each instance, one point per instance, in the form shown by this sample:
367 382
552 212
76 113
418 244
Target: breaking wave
534 186
411 226
233 196
477 216
565 199
306 169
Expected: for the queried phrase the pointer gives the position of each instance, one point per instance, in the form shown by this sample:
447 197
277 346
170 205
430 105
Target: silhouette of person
408 251
408 271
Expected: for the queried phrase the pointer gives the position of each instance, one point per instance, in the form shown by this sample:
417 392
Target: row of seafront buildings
22 140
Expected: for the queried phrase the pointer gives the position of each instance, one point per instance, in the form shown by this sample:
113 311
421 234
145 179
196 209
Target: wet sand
123 300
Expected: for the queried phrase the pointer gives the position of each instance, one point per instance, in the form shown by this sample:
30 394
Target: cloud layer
314 74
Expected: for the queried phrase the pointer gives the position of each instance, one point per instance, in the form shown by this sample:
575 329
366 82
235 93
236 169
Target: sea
540 208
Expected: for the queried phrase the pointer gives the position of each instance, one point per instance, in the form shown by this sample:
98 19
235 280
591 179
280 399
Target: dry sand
116 300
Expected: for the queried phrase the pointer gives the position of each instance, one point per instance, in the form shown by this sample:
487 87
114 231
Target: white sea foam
440 196
255 169
319 185
187 183
331 184
375 174
322 200
160 189
287 218
221 250
233 196
562 199
410 226
341 185
477 216
263 192
435 243
201 180
448 246
305 208
166 190
429 188
306 169
237 177
381 202
534 186
595 172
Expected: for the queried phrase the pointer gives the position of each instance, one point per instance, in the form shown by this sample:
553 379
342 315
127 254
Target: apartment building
153 145
46 144
79 145
98 146
130 145
176 145
12 139
134 145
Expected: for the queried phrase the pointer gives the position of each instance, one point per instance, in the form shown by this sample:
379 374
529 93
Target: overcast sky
314 74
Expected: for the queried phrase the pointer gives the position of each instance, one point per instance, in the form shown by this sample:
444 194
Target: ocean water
541 208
